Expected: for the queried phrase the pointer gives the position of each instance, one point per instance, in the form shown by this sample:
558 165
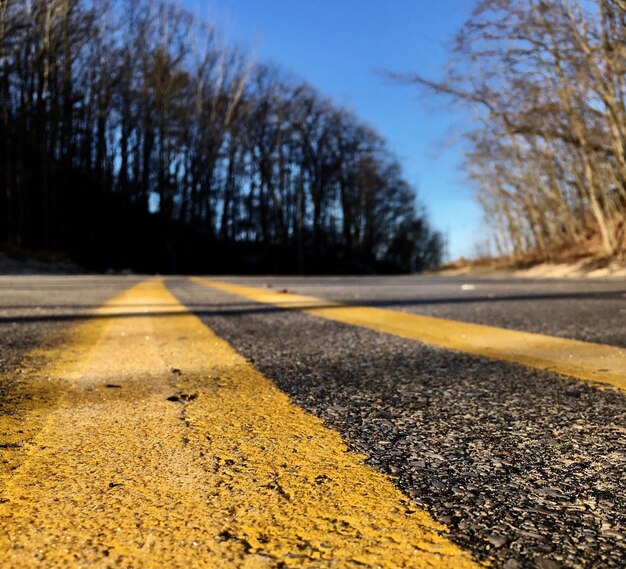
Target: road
312 422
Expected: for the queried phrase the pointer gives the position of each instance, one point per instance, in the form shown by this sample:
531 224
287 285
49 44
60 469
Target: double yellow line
147 441
159 446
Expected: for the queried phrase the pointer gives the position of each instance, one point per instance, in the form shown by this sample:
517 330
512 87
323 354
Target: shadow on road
242 308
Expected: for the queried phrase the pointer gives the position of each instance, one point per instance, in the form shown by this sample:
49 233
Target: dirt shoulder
583 268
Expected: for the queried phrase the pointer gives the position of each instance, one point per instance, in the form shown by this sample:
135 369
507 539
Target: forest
132 138
545 85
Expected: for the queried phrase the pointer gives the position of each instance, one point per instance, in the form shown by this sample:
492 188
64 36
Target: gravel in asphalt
525 467
588 310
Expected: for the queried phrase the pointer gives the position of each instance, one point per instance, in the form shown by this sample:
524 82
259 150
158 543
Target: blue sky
342 47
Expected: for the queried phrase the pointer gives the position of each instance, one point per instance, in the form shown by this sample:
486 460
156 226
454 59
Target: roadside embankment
584 268
38 264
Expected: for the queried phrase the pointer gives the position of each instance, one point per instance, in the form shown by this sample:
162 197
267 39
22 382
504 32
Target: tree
132 137
545 79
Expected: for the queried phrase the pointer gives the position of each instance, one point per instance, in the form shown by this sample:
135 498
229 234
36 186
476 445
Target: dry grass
561 259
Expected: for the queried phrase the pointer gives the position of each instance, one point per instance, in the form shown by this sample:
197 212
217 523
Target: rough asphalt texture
588 310
524 467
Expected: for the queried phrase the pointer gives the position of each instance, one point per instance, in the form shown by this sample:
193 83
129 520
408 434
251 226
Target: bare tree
131 136
545 79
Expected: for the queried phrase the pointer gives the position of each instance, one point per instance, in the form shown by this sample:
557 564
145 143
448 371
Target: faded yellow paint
161 447
583 360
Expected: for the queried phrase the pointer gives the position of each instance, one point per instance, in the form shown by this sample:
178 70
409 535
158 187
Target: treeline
546 80
131 137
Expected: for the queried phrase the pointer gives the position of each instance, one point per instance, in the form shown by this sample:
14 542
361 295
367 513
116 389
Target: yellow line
583 360
165 448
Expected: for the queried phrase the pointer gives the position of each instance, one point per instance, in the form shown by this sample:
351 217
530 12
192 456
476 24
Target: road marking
583 360
162 447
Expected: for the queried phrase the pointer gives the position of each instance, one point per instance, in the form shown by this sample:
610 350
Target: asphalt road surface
505 462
